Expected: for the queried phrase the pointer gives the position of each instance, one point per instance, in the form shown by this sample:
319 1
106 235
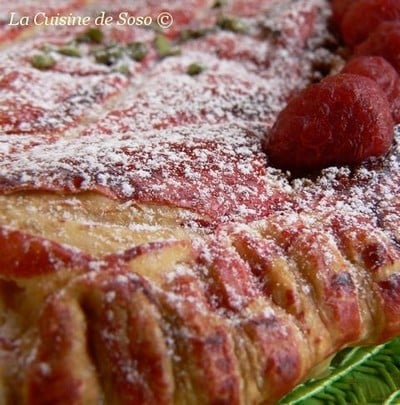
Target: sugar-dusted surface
54 103
367 194
189 141
149 254
74 91
172 166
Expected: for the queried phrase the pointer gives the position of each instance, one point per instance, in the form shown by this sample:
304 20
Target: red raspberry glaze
342 120
383 73
385 42
364 16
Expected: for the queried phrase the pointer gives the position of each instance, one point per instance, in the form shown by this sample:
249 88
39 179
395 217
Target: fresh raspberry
342 120
376 68
364 16
339 8
385 42
384 74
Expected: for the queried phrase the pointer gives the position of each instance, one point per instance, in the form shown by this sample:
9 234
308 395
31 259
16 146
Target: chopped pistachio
46 48
231 24
137 50
219 3
43 61
123 69
194 69
94 35
108 55
69 51
164 47
193 33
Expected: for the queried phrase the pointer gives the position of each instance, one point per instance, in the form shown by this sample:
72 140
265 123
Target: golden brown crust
241 318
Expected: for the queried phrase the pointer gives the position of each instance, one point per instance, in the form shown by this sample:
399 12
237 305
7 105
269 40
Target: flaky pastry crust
148 254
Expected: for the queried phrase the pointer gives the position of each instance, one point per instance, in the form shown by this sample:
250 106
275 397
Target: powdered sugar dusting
369 192
265 273
189 141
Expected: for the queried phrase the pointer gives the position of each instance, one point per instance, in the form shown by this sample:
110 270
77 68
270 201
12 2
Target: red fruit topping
342 120
384 74
339 8
376 68
385 42
364 16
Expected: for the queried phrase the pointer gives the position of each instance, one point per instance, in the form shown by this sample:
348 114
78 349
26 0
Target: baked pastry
150 253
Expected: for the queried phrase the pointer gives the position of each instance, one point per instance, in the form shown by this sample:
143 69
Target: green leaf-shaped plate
361 375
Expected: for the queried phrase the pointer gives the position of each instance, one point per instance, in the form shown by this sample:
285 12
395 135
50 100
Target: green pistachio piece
123 69
137 50
164 47
194 69
43 61
94 35
69 51
193 33
108 55
231 24
46 48
219 3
